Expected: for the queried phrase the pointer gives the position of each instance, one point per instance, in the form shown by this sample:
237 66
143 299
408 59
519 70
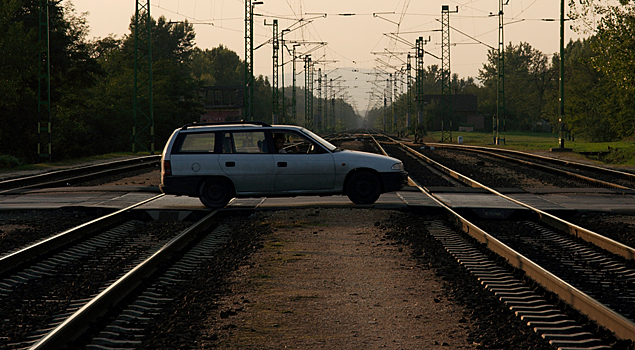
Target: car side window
287 142
245 142
197 143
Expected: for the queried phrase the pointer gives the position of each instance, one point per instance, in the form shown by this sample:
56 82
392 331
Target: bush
9 161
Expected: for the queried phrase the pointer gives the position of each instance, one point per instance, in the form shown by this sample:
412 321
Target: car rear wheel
216 192
363 188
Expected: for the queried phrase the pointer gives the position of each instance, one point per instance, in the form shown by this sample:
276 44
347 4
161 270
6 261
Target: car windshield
322 141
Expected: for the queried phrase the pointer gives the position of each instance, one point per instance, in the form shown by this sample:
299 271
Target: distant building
221 103
464 112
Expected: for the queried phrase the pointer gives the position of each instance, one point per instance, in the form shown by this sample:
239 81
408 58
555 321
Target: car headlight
397 166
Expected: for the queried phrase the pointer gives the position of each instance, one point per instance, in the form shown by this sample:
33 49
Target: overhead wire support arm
377 15
288 30
471 37
397 38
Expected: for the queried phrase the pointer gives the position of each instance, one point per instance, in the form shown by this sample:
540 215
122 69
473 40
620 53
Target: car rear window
198 143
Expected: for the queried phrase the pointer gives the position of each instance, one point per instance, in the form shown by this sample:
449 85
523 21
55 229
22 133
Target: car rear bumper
180 185
394 181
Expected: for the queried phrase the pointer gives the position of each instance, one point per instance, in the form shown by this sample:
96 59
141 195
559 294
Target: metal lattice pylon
143 104
394 102
446 89
308 93
248 101
275 95
319 100
419 80
294 111
408 88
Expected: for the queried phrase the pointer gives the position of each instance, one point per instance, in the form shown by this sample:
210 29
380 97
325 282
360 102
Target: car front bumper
394 181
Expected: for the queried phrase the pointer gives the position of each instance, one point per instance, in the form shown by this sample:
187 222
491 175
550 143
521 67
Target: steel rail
565 163
77 323
19 257
551 220
602 315
83 173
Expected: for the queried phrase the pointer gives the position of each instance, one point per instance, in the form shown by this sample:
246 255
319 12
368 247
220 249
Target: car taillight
167 168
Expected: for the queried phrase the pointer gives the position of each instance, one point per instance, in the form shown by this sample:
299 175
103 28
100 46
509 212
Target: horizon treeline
92 84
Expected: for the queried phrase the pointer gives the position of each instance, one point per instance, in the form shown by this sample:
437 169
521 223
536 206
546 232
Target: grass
618 152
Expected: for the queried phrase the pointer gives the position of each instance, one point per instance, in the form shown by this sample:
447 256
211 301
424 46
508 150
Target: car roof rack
225 123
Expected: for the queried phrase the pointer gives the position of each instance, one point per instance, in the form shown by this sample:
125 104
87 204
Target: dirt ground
327 279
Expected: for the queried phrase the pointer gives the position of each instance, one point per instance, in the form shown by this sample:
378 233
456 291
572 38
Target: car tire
363 188
216 192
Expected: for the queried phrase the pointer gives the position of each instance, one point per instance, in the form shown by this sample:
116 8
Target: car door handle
282 164
230 164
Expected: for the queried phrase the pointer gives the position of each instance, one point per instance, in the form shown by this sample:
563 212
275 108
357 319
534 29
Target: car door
245 161
304 167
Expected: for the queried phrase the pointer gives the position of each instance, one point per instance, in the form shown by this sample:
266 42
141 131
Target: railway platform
475 201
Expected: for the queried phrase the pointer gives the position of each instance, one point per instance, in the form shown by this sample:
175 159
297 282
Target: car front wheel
363 188
216 193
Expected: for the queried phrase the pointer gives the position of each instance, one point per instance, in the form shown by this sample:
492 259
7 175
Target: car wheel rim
214 192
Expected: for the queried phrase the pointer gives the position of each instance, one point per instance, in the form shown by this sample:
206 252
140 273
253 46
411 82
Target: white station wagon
219 161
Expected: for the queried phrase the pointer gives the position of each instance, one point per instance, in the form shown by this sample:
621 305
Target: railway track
52 292
77 175
585 173
535 293
582 275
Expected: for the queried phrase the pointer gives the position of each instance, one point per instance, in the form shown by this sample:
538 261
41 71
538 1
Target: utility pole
143 101
294 102
419 83
386 91
561 85
284 112
446 89
333 110
274 80
326 103
44 85
308 93
394 103
248 102
500 96
319 101
409 97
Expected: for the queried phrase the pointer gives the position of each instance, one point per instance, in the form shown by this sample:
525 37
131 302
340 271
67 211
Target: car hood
364 159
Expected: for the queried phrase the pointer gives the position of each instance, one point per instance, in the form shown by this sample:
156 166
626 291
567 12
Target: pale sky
357 42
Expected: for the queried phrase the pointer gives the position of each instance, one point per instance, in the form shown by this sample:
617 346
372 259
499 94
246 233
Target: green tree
109 103
615 46
609 57
528 77
72 71
219 66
